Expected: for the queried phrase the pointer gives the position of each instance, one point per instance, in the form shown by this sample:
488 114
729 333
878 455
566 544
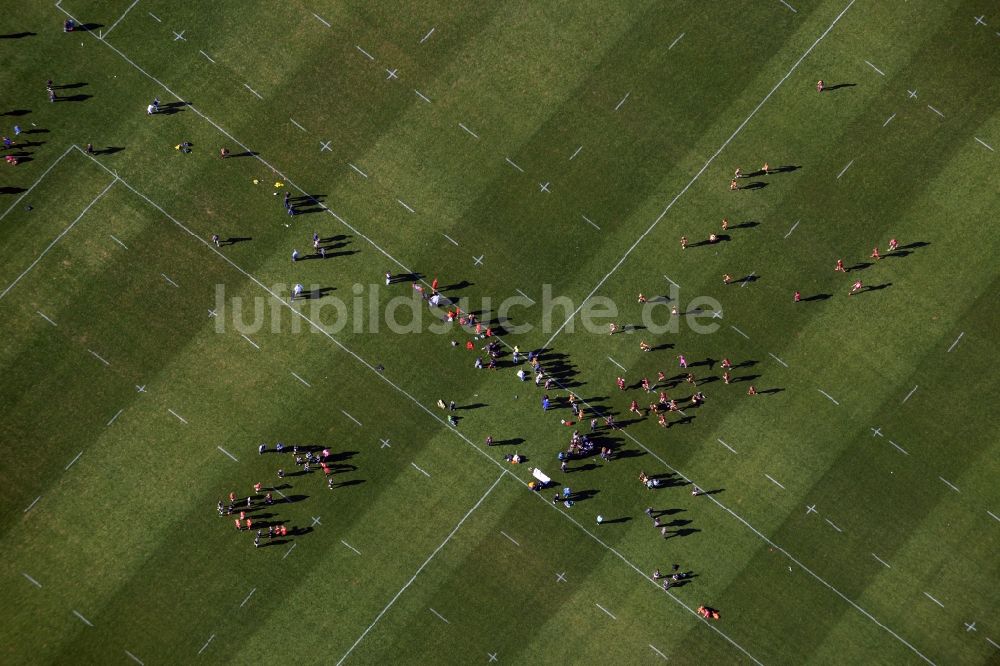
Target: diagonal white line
934 600
169 280
290 549
73 461
442 617
774 481
726 445
322 20
118 241
253 91
230 455
590 222
301 380
367 55
950 484
352 418
134 658
43 316
674 43
702 170
777 359
207 57
794 11
511 538
617 363
248 597
606 611
422 96
985 144
32 505
350 546
108 31
33 581
431 32
419 569
875 68
881 560
59 237
357 169
844 170
296 123
910 394
468 130
623 100
179 417
949 348
739 331
85 620
514 165
206 644
831 398
888 120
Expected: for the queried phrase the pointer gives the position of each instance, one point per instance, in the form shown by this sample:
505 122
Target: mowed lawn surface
581 125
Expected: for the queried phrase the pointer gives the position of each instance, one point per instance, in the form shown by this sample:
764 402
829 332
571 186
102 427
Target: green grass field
542 162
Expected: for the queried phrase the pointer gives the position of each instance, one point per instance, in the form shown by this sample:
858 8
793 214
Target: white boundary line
350 546
99 357
115 417
579 148
526 296
468 130
227 453
514 165
888 120
421 568
739 331
85 620
207 57
677 39
708 163
118 241
618 364
658 652
290 549
322 20
899 448
73 461
623 99
910 394
777 359
33 581
934 600
726 445
590 222
775 482
30 506
881 560
793 228
294 122
415 466
405 205
362 173
875 68
844 170
834 525
206 644
179 417
368 55
59 237
950 484
993 515
169 280
830 397
605 610
301 380
248 597
988 146
949 348
360 425
38 180
794 10
256 346
135 658
422 96
45 317
453 241
441 617
511 538
431 32
671 282
935 110
257 94
150 13
105 35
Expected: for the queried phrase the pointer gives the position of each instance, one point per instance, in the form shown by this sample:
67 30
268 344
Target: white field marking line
793 228
98 357
899 448
881 560
956 341
57 238
207 57
206 644
179 417
294 122
774 481
511 538
623 100
169 280
115 417
658 652
362 173
105 35
150 13
875 68
763 537
677 39
118 241
85 620
73 461
256 346
747 280
135 658
993 515
405 205
301 380
32 505
934 600
526 296
232 456
468 130
617 363
248 597
422 96
985 144
423 407
514 165
420 470
739 331
253 91
605 610
829 396
429 33
576 152
43 316
225 133
910 394
33 581
360 425
442 618
455 242
672 282
833 525
988 639
794 11
777 359
726 445
590 222
350 546
321 19
290 549
844 170
950 484
367 55
935 110
421 568
888 120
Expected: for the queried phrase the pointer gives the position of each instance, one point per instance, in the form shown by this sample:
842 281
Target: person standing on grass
858 286
893 243
796 298
820 86
150 110
726 377
684 242
295 255
727 364
752 390
682 361
256 540
875 255
725 223
215 240
840 267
